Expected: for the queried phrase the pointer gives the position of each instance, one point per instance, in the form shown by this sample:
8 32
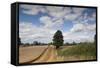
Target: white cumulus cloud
52 20
32 10
29 33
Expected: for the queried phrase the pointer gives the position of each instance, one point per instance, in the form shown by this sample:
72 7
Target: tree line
57 41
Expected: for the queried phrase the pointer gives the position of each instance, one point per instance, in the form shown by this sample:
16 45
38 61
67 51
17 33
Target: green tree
58 39
36 43
74 43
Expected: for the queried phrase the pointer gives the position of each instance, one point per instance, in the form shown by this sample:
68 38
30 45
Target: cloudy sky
39 23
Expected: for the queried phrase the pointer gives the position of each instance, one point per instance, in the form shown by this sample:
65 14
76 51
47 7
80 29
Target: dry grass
50 54
30 52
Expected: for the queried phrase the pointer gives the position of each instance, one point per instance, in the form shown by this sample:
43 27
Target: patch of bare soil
30 52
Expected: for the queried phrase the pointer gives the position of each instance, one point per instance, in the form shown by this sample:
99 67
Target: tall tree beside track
58 39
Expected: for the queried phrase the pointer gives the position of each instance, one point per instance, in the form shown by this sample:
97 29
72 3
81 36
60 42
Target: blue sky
39 23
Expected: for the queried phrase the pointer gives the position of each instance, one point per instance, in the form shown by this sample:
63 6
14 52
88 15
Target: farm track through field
48 55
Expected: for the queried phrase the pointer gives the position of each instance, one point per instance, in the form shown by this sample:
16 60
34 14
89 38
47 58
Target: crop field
78 52
48 53
30 52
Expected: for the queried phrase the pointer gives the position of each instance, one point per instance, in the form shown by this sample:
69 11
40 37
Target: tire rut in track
48 55
44 56
29 62
53 56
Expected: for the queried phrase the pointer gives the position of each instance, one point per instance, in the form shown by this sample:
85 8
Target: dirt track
40 54
37 54
50 55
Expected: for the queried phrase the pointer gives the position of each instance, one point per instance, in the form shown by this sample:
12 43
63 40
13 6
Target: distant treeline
36 43
57 41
